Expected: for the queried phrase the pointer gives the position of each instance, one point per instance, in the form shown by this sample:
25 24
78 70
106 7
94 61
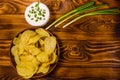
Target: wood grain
89 48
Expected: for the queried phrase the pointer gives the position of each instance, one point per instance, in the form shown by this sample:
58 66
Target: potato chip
50 44
29 33
26 36
41 42
26 57
36 45
42 32
41 45
20 48
44 68
21 51
17 59
36 62
26 69
43 57
32 49
24 53
34 39
14 50
16 40
53 57
29 58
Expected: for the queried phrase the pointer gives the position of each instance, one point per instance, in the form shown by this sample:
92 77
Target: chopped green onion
37 4
81 11
29 15
108 11
32 18
44 12
38 9
43 15
36 20
30 11
37 13
32 7
75 10
40 18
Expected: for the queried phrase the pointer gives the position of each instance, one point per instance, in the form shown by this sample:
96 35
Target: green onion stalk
108 11
73 11
80 10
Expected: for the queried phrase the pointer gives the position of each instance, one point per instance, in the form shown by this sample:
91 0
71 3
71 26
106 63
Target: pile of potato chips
34 51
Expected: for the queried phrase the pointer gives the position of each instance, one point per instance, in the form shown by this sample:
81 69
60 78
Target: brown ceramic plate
52 66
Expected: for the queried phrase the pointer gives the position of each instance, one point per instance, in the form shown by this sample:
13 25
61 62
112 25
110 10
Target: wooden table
90 48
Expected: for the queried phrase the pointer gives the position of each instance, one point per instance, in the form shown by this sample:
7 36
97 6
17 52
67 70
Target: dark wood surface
90 48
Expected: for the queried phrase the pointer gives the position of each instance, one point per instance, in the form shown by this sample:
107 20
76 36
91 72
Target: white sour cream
37 14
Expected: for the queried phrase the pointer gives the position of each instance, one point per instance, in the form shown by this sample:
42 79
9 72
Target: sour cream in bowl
37 14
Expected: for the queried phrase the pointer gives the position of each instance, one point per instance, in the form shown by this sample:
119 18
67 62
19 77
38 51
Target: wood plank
89 48
87 73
